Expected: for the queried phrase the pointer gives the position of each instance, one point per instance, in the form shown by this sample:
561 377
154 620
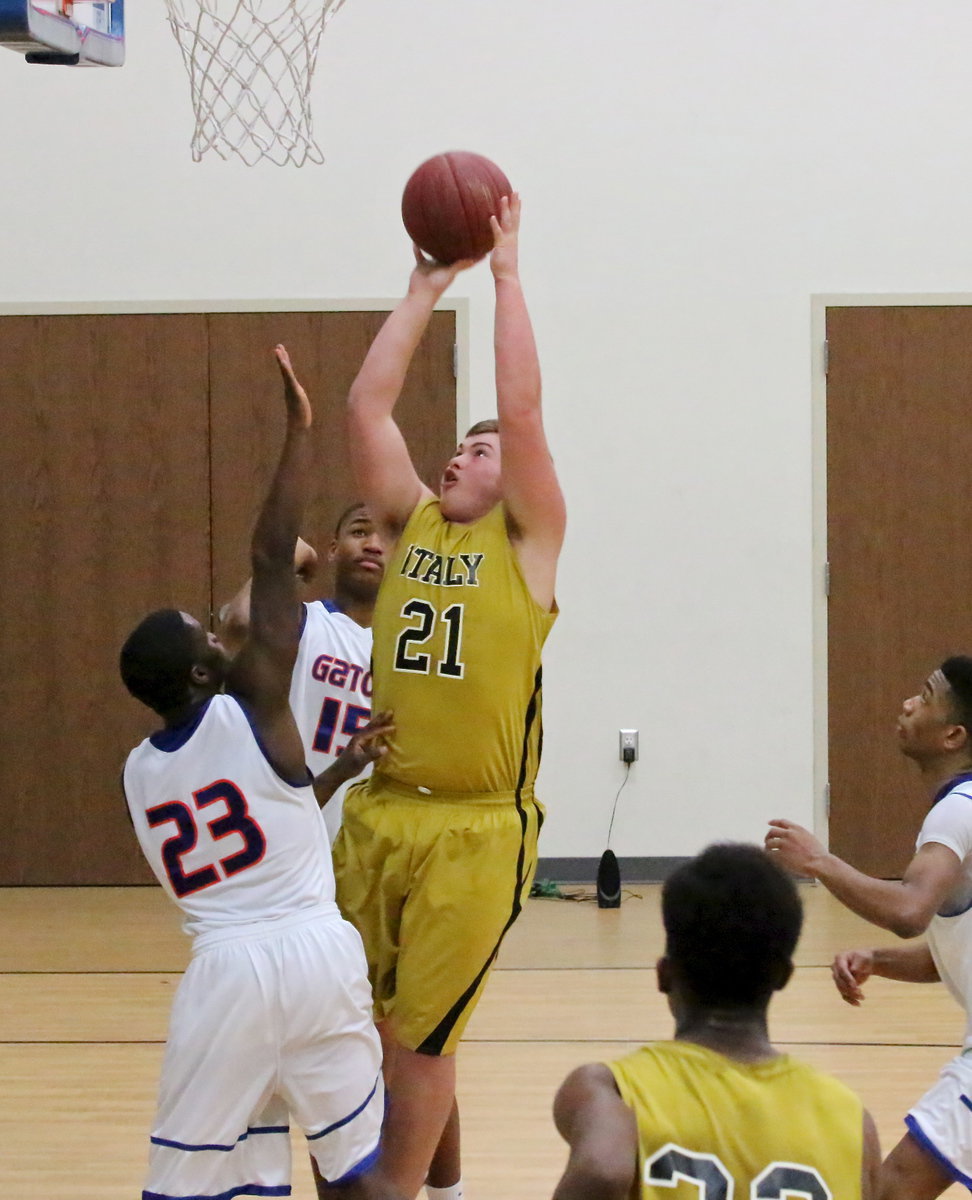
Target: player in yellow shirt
718 1112
438 849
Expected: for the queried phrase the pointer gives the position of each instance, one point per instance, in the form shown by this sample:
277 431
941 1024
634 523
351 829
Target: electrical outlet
628 745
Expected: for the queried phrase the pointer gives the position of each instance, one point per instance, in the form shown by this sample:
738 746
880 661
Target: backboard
65 32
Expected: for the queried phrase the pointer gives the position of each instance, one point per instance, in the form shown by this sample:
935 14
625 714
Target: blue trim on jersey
158 1141
303 621
246 1189
965 1100
298 783
357 1170
174 737
955 782
931 1149
332 606
350 1117
959 912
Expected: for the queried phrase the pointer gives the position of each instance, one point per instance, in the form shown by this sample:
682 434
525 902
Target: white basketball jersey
330 691
230 840
949 822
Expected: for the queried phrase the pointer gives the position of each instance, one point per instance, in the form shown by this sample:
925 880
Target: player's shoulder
326 625
427 514
689 1057
798 1068
958 789
951 808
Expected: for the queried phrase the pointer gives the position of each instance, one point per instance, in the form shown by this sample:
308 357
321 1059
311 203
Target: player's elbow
360 403
233 632
593 1181
271 555
910 923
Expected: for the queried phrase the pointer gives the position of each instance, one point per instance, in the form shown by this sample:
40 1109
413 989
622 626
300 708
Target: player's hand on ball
851 969
794 847
431 277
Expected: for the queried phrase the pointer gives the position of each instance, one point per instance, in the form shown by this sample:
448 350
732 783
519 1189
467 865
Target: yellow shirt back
711 1127
457 641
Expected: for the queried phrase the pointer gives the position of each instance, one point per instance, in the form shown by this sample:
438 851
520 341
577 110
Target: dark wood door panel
135 450
104 485
899 491
327 349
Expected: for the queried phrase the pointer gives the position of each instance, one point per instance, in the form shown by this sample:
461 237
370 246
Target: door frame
460 305
819 303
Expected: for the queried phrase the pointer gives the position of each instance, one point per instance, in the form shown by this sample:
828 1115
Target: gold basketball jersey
711 1126
457 657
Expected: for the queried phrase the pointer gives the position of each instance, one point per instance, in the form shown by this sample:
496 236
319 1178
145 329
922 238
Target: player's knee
369 1185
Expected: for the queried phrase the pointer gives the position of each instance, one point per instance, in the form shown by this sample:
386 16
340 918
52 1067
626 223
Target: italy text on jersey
441 570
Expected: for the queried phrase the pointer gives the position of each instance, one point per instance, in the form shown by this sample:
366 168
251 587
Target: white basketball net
250 65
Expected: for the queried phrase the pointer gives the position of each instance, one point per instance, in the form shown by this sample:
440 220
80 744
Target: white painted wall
692 174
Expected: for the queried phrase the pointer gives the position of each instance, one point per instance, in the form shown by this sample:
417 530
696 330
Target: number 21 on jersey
409 655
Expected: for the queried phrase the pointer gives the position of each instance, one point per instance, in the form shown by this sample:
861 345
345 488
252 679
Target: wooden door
134 452
899 499
103 478
247 418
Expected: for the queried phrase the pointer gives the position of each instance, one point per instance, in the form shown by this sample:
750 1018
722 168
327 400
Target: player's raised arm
261 672
531 491
234 615
382 465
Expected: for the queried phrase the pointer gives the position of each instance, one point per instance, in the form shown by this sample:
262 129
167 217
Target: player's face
358 556
926 719
209 650
470 484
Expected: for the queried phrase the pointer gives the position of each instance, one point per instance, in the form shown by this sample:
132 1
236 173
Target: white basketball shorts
941 1121
266 1026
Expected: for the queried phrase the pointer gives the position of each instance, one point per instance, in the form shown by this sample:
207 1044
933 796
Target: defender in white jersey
273 1016
934 896
330 691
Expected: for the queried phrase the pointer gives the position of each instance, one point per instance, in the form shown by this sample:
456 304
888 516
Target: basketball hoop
250 65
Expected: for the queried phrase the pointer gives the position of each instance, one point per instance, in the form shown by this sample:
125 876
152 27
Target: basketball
447 204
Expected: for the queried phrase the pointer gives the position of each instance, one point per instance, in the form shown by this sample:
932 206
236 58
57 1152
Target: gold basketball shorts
432 883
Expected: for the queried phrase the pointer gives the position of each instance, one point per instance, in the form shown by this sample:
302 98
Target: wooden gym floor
87 976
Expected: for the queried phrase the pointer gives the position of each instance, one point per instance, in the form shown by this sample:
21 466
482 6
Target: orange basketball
447 204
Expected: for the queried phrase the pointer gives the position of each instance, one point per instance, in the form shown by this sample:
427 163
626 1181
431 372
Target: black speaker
608 881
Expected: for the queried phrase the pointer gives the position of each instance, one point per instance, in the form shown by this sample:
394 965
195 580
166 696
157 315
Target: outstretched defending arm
531 492
904 906
261 672
386 478
234 616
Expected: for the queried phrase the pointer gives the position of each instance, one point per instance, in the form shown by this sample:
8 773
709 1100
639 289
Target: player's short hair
490 425
732 921
156 660
958 674
346 516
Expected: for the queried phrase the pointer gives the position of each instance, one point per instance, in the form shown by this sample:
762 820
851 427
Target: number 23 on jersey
234 819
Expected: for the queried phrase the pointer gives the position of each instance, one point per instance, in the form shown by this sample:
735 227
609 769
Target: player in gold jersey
718 1112
438 849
